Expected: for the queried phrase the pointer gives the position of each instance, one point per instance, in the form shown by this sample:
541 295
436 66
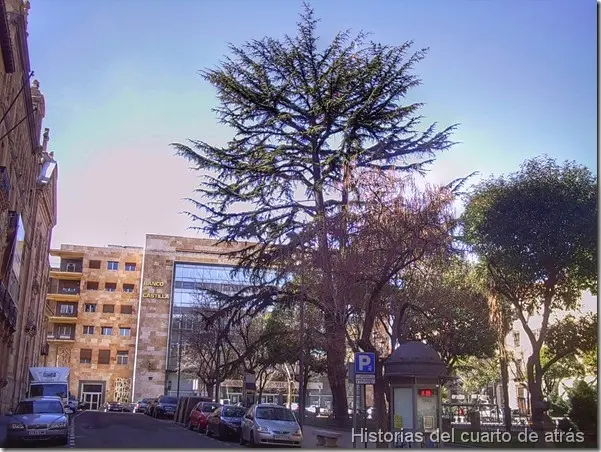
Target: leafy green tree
477 373
583 406
566 367
458 321
283 324
304 118
589 361
536 231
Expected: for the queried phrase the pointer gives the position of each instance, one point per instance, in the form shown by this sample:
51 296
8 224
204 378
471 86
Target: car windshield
48 390
209 407
40 407
274 414
169 400
234 411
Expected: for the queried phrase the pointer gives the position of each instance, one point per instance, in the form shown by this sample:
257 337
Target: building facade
173 270
91 314
28 180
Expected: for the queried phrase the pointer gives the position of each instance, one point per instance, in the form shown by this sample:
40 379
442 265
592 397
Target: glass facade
188 284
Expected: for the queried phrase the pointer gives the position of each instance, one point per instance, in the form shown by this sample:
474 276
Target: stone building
28 178
173 270
91 313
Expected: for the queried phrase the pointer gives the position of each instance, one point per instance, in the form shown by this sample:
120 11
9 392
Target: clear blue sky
120 80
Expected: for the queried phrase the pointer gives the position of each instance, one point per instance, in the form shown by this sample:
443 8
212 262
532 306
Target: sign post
365 374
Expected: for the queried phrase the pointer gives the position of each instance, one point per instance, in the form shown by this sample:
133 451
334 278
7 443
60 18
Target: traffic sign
365 379
365 363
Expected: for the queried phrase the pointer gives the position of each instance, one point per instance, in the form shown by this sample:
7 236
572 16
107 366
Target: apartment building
519 348
91 313
28 179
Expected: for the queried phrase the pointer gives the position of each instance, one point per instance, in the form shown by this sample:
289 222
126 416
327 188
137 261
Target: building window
110 286
516 338
65 332
122 357
104 356
107 331
127 309
85 356
67 309
112 265
124 331
128 288
90 307
92 285
95 264
108 308
130 267
88 329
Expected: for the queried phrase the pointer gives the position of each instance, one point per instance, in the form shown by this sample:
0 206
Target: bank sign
155 285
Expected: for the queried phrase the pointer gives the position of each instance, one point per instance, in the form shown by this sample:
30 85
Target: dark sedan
225 421
164 407
112 406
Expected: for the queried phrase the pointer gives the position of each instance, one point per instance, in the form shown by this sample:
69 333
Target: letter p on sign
365 363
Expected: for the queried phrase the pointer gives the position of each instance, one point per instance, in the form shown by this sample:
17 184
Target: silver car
38 419
268 424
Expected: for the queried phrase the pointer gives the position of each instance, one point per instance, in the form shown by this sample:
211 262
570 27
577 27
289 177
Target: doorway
92 396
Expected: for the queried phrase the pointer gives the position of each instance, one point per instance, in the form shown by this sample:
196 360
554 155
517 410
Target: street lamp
296 241
179 355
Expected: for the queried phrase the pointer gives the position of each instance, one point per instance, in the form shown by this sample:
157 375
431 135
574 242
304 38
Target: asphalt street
126 430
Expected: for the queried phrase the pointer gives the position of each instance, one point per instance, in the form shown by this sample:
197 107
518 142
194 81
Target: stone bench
327 439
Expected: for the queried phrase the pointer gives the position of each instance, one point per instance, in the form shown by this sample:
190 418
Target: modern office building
173 271
91 316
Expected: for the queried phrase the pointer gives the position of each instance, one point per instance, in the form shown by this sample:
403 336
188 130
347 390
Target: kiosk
416 375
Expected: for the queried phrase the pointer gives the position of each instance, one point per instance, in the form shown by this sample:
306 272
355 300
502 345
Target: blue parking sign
365 363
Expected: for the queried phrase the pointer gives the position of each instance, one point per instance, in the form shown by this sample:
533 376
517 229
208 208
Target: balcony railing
70 336
59 313
8 308
69 267
64 290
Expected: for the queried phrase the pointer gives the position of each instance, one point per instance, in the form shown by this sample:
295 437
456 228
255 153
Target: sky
121 82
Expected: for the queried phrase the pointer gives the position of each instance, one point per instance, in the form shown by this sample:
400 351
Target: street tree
304 118
536 231
283 323
248 340
567 367
458 325
476 374
393 226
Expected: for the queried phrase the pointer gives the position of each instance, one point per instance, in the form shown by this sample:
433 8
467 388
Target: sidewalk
3 423
345 441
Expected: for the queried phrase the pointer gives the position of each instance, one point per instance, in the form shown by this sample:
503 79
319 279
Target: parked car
112 406
268 424
127 407
150 407
198 415
140 405
225 421
38 419
164 407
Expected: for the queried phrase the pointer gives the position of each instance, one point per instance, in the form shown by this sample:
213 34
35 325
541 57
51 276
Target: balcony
60 315
8 308
61 336
63 292
4 187
70 269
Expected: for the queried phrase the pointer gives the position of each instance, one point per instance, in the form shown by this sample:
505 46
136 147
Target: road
124 430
